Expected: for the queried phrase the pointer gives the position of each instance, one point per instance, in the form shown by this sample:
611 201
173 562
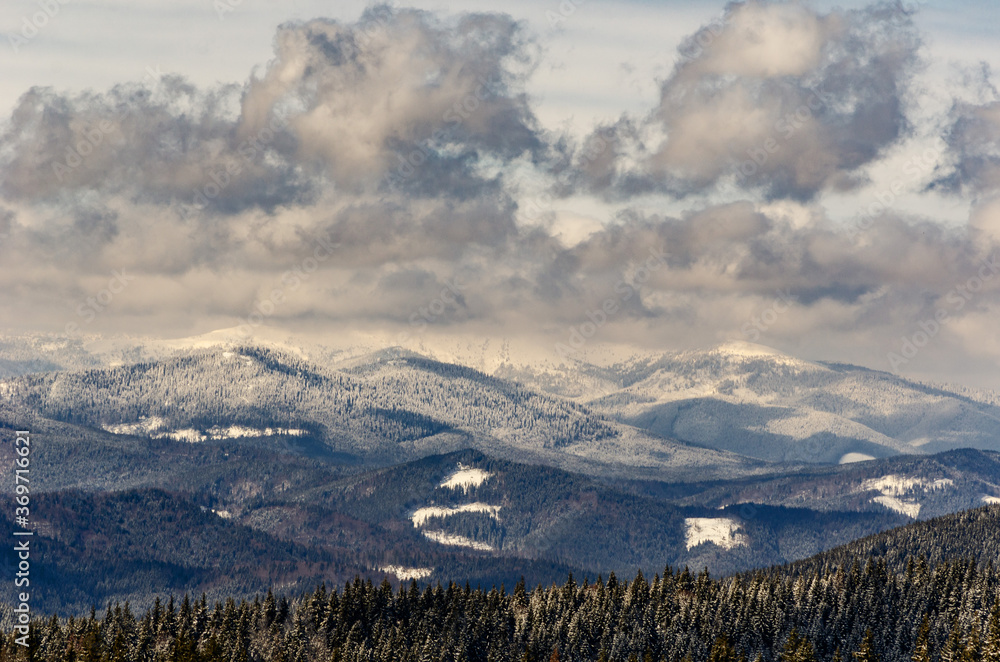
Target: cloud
389 136
397 102
773 97
973 142
372 171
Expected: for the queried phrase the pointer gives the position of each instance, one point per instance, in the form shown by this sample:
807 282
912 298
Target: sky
816 177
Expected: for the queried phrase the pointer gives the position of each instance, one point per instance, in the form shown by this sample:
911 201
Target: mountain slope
916 486
544 513
761 403
742 398
967 535
382 409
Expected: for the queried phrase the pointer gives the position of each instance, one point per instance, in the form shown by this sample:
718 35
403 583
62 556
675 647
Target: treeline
949 612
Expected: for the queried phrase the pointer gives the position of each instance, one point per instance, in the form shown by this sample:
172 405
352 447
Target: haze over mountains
738 397
391 462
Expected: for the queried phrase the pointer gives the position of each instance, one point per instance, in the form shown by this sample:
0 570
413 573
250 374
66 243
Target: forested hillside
918 486
964 535
759 402
91 548
462 516
738 397
383 409
947 611
294 473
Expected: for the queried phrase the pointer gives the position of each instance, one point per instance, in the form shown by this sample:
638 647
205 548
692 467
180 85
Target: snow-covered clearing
465 477
154 427
457 541
908 508
893 485
420 516
721 531
405 573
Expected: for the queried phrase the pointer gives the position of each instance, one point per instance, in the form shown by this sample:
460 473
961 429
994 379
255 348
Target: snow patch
189 435
908 508
457 541
893 485
850 458
405 573
238 431
420 516
153 427
992 500
144 426
466 477
721 531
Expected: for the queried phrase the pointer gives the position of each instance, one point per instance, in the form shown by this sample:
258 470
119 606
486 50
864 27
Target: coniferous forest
949 611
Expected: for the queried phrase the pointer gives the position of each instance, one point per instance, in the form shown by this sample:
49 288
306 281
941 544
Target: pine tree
991 647
722 651
953 648
797 649
972 650
867 651
922 649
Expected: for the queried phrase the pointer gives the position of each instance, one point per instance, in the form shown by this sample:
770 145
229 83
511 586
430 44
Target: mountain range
302 463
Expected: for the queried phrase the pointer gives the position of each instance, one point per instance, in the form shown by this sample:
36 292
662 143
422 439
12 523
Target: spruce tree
953 648
991 647
867 651
722 651
922 649
972 651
